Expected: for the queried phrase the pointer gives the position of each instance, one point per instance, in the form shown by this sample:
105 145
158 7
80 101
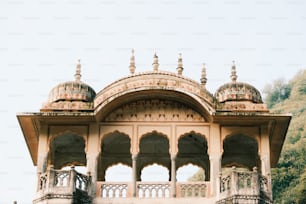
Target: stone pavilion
154 117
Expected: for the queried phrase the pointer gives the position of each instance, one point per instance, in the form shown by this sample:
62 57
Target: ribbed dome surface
72 91
238 91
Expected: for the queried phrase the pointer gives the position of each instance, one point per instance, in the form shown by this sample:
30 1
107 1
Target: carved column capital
173 157
134 157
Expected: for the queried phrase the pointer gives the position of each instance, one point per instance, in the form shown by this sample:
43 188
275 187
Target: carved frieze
154 110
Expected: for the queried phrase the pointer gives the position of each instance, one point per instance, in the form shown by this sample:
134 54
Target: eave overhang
30 124
277 127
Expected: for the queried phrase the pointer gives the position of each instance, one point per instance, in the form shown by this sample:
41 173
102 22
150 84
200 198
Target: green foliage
276 92
289 177
198 176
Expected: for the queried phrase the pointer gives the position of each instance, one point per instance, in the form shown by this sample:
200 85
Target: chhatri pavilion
154 117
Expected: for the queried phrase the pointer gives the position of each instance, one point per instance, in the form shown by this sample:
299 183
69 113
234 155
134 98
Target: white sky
41 40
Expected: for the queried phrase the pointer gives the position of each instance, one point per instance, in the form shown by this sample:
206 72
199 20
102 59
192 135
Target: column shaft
134 175
173 177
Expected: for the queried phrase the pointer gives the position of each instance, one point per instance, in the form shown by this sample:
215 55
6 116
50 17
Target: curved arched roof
161 85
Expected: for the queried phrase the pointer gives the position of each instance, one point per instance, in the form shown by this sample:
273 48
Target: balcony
244 187
54 186
69 186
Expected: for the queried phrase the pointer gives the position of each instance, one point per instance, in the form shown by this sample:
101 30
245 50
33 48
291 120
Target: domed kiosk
72 95
239 96
154 117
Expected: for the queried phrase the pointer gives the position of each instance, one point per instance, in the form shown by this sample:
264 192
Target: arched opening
193 149
154 148
190 172
150 175
240 151
155 172
68 150
115 149
118 172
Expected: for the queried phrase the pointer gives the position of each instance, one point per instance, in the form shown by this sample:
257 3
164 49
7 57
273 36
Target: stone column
92 155
265 157
215 172
134 175
42 160
173 176
215 154
92 171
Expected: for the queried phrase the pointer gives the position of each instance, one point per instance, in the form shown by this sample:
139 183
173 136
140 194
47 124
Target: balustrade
153 190
112 189
247 183
63 179
42 181
192 189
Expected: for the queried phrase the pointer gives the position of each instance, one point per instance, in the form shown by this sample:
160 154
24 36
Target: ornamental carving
154 110
151 81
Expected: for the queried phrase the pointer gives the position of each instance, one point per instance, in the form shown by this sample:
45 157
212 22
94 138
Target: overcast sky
41 41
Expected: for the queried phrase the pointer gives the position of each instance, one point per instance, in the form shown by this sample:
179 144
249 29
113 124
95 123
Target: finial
203 75
180 65
78 75
155 63
233 73
132 63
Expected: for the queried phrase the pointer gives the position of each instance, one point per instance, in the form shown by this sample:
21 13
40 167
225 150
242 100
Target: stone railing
151 189
113 189
62 183
192 189
243 186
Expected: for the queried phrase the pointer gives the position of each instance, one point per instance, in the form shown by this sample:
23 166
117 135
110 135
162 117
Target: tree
276 92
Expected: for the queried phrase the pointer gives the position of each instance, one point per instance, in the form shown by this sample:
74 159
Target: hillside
289 178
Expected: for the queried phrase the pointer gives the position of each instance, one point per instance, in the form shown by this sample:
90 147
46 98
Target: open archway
68 150
153 148
193 149
155 172
240 151
118 173
190 172
115 149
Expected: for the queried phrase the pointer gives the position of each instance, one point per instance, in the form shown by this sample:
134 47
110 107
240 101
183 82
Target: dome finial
155 63
233 73
78 75
132 66
180 65
203 75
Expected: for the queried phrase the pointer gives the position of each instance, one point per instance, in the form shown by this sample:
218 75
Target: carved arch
67 149
241 151
67 132
193 148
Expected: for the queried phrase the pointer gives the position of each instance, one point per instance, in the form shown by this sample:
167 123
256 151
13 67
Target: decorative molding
154 110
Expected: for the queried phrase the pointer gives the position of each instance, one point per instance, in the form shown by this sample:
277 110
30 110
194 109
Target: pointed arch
66 150
192 148
241 151
118 172
153 148
190 170
115 148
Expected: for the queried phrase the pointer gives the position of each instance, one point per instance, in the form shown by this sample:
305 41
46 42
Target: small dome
238 91
71 95
72 91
